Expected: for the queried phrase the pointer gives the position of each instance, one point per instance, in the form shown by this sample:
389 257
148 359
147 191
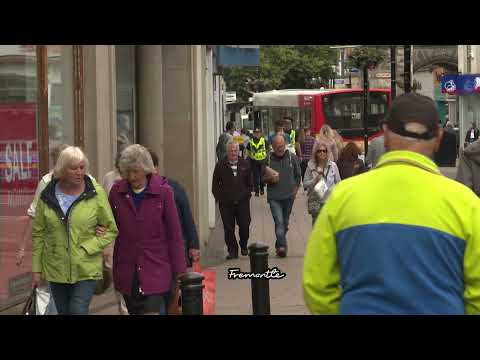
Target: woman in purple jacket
149 252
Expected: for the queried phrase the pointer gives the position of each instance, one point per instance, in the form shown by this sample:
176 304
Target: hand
20 256
100 231
194 254
36 278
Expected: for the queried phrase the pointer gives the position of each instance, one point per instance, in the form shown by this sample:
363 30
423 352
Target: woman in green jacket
66 250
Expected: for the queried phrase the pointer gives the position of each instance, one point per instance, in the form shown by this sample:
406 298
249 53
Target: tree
282 67
366 56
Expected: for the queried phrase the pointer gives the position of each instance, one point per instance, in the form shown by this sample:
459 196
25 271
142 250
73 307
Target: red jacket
149 238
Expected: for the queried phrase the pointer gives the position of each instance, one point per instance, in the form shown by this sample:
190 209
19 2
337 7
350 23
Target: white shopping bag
45 303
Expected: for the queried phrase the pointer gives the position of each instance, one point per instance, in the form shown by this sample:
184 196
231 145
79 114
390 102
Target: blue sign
238 55
460 84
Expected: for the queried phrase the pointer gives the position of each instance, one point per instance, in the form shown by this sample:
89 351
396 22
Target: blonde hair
70 155
135 155
327 132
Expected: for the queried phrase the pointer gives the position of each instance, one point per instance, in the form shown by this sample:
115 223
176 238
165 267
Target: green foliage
366 55
282 67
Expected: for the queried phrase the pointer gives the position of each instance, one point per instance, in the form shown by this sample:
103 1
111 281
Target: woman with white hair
149 253
327 138
66 249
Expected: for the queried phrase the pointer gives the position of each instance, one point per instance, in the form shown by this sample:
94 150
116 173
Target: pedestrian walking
472 135
232 187
189 230
321 177
338 141
224 138
468 171
279 129
327 137
349 164
307 148
257 153
375 149
294 145
67 252
402 238
149 253
283 177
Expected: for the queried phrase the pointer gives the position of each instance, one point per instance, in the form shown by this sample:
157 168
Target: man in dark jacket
232 187
472 135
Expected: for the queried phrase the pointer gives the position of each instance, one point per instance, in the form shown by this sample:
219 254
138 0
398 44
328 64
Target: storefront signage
238 55
453 84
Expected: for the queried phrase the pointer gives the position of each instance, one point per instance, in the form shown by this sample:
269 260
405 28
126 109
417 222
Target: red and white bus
342 109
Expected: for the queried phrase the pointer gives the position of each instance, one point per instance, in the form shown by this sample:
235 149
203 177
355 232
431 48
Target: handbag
30 307
318 195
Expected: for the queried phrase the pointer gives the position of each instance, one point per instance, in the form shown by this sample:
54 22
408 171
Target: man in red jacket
232 187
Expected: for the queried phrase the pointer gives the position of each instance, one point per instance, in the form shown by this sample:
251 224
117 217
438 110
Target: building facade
167 97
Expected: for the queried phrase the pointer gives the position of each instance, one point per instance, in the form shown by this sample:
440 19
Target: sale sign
19 172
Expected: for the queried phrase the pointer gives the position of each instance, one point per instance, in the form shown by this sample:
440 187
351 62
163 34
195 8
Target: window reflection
125 72
60 95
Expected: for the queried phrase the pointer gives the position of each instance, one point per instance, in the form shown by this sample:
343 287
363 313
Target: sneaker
262 192
256 194
244 252
281 252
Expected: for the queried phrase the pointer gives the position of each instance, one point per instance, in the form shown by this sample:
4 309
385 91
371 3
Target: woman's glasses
322 150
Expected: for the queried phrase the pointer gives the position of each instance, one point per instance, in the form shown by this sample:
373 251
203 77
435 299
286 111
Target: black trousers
258 183
238 212
303 167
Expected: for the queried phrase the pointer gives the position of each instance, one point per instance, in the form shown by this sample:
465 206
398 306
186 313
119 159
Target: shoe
281 252
244 252
262 192
256 194
232 256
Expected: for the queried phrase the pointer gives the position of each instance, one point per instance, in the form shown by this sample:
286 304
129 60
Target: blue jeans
73 299
281 210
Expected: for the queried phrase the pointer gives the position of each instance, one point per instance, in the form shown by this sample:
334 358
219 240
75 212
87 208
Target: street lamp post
407 77
393 70
366 86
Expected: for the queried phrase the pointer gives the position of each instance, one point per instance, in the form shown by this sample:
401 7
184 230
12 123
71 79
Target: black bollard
191 285
260 287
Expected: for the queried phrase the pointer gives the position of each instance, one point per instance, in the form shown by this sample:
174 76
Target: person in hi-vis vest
257 152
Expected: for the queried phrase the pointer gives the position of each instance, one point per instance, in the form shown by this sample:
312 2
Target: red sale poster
18 180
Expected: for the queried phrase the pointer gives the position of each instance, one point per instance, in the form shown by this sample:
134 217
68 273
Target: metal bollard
191 285
260 287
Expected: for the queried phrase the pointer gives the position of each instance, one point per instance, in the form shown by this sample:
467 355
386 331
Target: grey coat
290 176
468 172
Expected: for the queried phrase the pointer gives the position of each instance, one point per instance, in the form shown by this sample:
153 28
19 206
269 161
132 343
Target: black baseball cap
413 108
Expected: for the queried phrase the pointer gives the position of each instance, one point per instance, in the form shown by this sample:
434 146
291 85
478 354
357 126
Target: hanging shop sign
453 84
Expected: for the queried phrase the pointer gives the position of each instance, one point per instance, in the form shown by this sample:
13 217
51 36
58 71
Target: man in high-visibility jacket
292 134
257 152
401 238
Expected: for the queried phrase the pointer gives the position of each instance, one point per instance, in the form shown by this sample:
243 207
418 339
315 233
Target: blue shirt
64 200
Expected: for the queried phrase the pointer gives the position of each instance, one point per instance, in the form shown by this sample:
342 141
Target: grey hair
230 143
136 155
71 154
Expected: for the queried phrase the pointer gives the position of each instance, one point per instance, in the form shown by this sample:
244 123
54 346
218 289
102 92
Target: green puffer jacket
65 248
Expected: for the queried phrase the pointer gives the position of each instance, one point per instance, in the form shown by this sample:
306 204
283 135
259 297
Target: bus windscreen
344 111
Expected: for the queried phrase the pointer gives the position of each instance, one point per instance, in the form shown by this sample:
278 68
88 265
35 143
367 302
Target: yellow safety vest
293 137
258 151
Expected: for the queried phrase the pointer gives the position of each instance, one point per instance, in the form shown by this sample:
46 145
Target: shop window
19 170
60 96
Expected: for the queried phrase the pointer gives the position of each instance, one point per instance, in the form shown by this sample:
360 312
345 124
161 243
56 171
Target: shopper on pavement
149 250
327 137
348 162
232 187
401 238
257 153
319 169
66 250
282 189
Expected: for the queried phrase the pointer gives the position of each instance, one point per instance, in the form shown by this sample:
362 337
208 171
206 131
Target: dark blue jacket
189 230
